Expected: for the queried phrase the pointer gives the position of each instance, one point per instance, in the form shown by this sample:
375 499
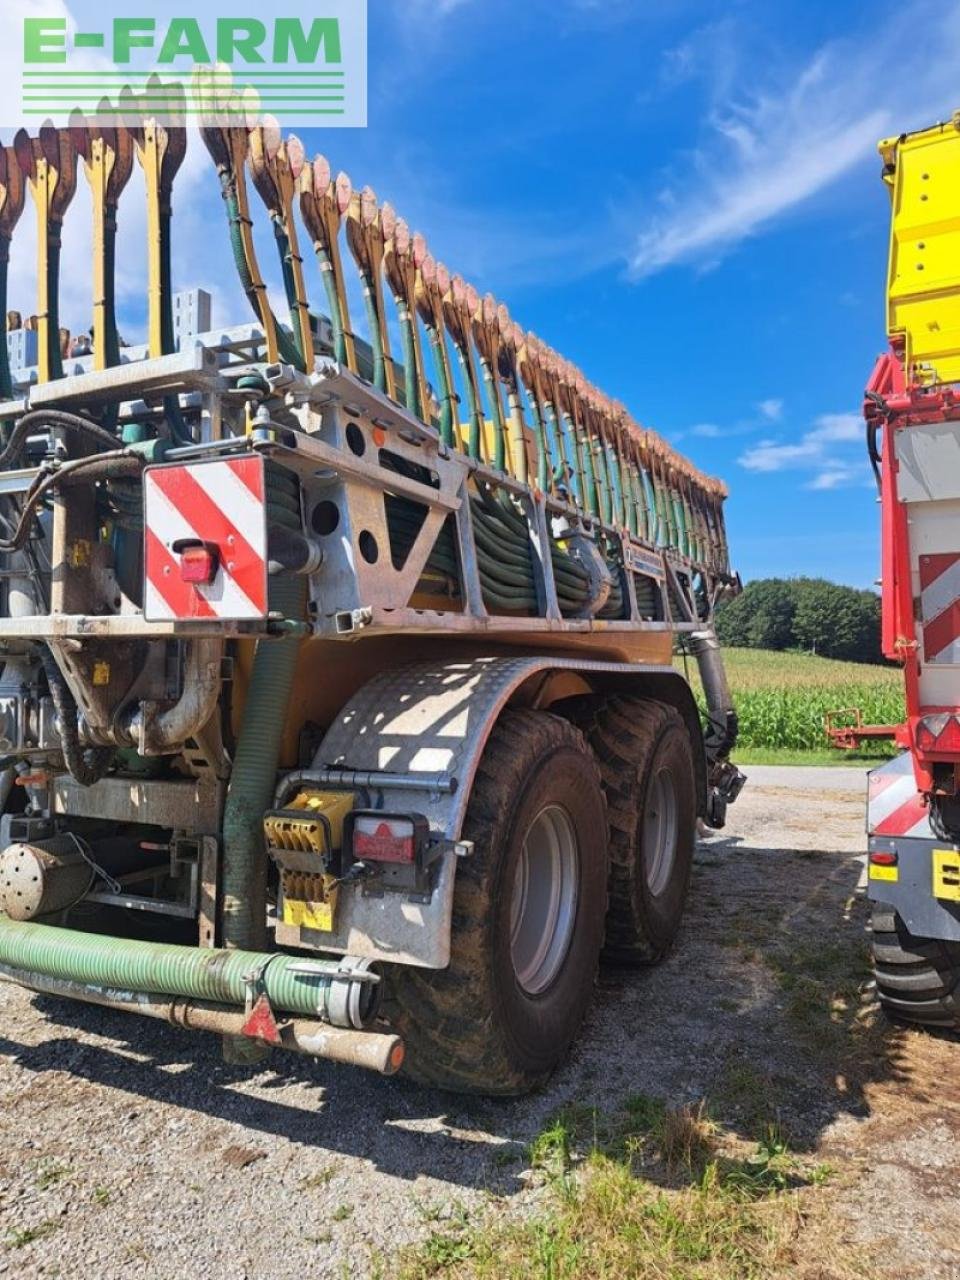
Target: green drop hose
287 348
156 968
304 360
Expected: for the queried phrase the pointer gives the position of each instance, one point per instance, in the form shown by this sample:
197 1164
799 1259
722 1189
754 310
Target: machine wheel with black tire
528 918
918 979
646 762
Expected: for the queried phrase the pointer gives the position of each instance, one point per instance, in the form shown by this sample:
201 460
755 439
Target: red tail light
940 732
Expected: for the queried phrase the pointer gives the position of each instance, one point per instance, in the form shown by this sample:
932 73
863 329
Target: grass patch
726 1218
19 1237
48 1175
827 758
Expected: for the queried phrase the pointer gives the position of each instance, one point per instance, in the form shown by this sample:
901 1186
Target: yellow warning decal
883 873
946 874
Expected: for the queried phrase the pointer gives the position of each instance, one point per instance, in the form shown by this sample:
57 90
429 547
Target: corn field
782 698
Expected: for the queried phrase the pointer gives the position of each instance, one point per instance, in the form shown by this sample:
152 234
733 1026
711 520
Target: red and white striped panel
940 607
221 503
894 806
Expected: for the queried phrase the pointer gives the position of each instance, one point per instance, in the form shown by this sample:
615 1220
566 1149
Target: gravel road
127 1147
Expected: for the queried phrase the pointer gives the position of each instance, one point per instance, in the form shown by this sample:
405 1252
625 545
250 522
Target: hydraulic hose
37 419
86 767
6 381
310 988
257 756
110 466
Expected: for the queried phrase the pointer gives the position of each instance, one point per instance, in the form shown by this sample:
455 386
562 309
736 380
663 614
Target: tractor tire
528 913
649 778
917 978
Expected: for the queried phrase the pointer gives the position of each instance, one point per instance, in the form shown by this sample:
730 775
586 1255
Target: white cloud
821 448
706 430
799 129
833 477
772 410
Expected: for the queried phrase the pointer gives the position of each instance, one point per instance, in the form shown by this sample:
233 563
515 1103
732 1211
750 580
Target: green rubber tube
290 288
287 348
257 757
373 324
164 969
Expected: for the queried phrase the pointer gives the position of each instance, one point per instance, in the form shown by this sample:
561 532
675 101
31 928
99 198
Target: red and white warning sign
940 607
894 806
205 532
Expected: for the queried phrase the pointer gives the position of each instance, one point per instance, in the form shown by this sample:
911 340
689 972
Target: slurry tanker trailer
337 705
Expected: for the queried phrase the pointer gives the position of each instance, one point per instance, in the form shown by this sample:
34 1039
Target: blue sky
682 198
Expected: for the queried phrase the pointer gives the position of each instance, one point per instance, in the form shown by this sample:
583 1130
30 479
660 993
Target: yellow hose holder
311 823
309 902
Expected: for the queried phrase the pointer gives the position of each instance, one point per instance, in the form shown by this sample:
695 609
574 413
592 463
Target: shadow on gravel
764 1010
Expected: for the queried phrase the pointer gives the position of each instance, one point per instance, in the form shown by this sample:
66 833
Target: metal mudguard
897 823
430 719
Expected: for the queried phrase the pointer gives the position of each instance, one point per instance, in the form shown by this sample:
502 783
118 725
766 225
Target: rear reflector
883 859
384 839
940 732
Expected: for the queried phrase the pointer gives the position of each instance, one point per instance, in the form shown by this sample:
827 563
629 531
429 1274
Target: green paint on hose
379 378
411 390
571 457
163 969
333 303
474 416
257 756
287 348
290 288
496 415
446 391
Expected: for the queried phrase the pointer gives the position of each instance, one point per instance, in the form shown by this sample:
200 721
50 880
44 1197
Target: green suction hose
192 973
257 756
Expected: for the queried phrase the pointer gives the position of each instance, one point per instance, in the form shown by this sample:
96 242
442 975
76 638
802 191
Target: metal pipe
355 778
376 1051
721 735
157 733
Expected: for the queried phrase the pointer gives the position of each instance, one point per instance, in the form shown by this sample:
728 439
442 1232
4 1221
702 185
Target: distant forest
807 614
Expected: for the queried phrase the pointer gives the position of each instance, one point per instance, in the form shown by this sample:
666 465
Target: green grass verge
827 758
649 1192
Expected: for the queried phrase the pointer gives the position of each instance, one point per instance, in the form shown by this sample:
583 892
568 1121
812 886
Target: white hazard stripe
941 593
950 656
222 484
223 595
891 799
883 808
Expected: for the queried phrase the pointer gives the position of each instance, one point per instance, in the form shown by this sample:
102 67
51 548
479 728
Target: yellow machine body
922 171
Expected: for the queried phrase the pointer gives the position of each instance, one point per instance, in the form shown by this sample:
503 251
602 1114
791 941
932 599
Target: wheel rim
660 831
543 907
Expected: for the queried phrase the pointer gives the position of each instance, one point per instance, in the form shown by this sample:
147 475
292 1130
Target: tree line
808 614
